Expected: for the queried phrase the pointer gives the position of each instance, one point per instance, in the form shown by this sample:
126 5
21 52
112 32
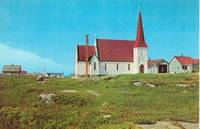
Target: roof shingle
185 60
81 52
154 62
115 50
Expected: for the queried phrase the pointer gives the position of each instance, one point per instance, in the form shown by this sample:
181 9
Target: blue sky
42 34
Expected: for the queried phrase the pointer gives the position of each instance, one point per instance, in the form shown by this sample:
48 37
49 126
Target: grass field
102 103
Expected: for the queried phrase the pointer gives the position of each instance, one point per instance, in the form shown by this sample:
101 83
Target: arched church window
94 65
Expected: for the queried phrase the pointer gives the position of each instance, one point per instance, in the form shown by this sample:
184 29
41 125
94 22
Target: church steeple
140 41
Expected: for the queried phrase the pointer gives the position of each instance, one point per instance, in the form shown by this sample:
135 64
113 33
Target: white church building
111 57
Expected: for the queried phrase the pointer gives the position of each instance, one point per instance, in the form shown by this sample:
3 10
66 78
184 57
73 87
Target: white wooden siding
112 68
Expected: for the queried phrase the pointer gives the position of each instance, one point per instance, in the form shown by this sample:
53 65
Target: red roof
115 50
24 72
184 60
81 52
140 41
153 62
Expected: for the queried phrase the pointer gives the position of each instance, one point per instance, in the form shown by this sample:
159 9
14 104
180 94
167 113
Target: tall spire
140 41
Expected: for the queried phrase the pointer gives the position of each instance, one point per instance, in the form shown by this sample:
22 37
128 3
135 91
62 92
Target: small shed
158 66
11 70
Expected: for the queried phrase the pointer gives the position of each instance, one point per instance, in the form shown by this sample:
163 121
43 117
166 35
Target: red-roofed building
183 64
111 56
23 73
158 66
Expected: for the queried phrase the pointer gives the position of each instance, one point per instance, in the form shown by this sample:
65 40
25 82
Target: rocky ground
161 101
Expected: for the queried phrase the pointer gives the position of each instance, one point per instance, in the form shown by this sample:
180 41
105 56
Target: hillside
103 103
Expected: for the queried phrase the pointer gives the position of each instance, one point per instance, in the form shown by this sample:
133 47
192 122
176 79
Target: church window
117 66
94 65
129 67
105 66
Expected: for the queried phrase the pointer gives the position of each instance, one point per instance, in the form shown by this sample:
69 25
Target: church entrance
142 68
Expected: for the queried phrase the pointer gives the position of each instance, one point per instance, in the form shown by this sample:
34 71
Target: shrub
34 90
69 100
10 118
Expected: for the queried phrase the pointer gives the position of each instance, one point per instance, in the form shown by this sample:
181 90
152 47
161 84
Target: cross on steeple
139 5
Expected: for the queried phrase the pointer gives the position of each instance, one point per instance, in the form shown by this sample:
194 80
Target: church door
142 68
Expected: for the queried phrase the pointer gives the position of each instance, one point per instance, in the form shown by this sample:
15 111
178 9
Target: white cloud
29 60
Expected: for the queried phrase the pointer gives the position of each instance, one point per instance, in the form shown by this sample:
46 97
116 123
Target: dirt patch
93 92
189 125
171 125
69 91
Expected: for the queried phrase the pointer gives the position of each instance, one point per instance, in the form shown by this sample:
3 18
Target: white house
158 66
111 57
182 64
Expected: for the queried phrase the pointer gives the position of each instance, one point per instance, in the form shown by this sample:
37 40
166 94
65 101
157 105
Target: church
112 57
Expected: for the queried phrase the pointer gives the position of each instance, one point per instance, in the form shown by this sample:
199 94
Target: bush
69 100
34 90
10 118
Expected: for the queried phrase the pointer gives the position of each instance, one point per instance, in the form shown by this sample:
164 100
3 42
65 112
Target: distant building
183 64
58 75
11 70
23 73
158 66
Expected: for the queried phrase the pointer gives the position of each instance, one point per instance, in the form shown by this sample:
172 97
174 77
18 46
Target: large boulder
41 78
46 98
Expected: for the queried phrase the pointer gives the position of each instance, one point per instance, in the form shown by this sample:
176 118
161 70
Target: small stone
137 83
183 85
151 85
104 104
106 116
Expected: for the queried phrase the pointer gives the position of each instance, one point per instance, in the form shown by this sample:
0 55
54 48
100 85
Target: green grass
126 104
